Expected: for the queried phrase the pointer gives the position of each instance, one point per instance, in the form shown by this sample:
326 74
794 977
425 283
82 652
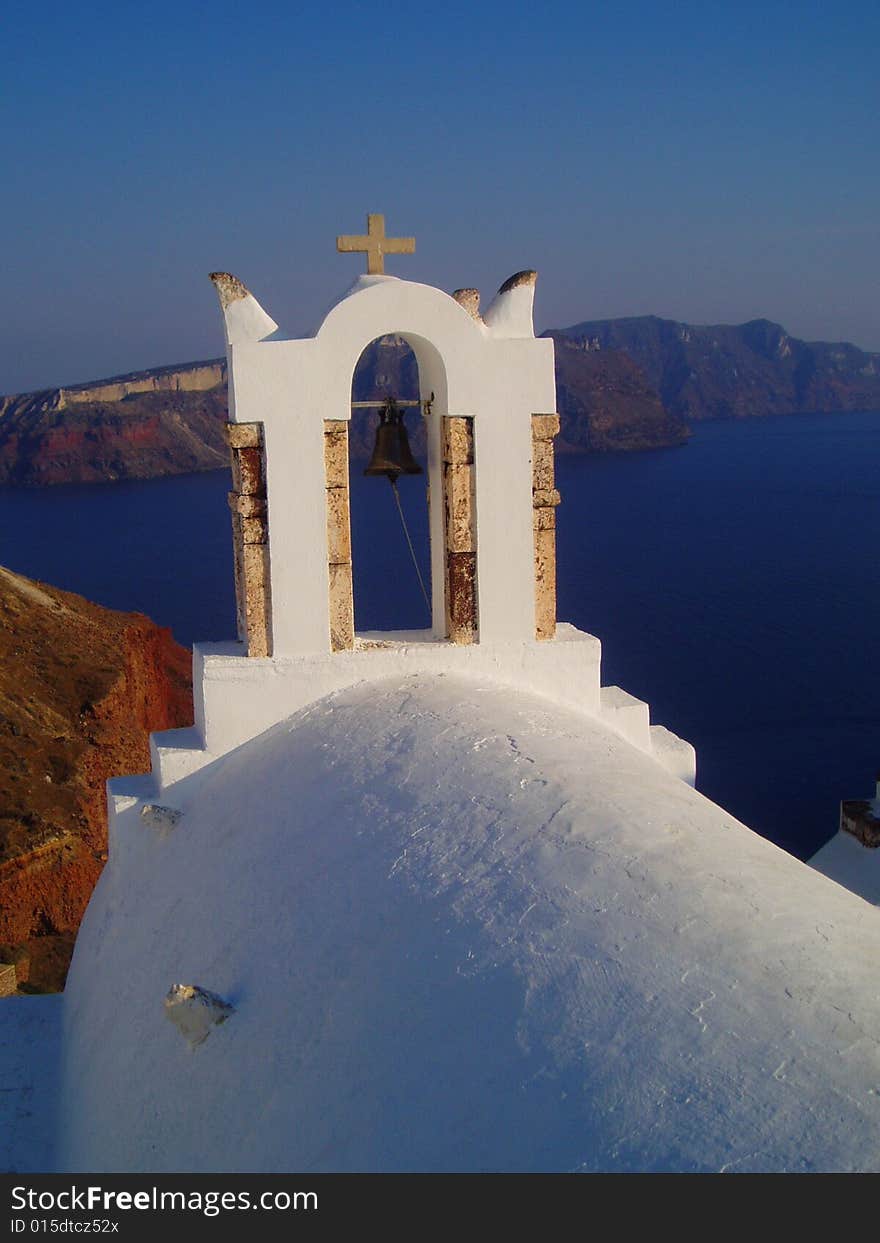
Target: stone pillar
461 532
545 498
338 535
861 818
250 537
8 980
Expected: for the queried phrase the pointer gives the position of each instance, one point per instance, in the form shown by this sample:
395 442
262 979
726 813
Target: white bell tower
488 397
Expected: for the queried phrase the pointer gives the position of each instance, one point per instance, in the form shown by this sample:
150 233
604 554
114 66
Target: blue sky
709 162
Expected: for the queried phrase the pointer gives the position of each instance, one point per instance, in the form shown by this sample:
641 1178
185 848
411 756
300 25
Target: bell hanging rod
426 402
377 405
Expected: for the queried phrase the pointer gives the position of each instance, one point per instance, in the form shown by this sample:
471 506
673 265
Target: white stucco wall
293 385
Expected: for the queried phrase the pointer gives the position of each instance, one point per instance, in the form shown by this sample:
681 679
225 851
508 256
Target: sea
733 582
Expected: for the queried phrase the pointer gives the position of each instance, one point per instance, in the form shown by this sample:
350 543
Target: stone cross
376 245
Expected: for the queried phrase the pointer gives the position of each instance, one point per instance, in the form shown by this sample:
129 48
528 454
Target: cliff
170 421
81 687
163 422
607 404
736 371
604 399
622 384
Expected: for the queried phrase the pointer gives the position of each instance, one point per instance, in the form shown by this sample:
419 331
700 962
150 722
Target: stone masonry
861 818
461 542
250 537
8 981
545 498
339 535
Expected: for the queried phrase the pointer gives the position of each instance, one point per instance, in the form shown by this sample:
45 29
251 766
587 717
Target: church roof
464 928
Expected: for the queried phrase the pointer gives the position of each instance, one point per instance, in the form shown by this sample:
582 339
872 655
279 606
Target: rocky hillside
162 422
604 399
607 404
621 383
170 421
81 687
736 371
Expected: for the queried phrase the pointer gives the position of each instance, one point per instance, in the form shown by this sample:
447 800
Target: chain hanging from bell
392 455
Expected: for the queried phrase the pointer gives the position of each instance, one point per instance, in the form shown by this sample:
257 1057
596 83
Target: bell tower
488 398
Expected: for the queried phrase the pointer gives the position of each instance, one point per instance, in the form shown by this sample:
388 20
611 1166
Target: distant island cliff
731 371
622 384
167 421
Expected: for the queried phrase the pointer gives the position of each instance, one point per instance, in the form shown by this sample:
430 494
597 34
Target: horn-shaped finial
243 316
510 314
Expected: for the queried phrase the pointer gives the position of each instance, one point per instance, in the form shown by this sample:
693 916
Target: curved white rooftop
464 928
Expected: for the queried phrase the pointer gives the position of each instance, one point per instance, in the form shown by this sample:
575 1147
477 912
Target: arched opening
387 591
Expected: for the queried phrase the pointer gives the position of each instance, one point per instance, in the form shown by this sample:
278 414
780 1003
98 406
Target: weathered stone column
250 537
338 535
8 980
545 498
861 818
461 533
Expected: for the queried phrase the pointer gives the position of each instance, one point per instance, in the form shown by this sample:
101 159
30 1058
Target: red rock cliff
81 688
162 422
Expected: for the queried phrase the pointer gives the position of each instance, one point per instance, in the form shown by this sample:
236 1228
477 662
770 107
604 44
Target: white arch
473 369
432 384
445 339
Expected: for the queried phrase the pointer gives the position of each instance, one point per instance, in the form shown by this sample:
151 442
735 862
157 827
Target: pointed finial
510 314
469 299
244 318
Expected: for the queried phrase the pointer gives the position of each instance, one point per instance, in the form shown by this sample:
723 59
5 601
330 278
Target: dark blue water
387 595
161 547
733 583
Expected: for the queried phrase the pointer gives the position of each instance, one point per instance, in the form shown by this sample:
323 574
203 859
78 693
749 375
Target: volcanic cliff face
603 398
170 421
621 384
163 422
81 687
607 404
736 371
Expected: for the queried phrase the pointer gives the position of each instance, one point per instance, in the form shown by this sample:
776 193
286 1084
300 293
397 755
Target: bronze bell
392 455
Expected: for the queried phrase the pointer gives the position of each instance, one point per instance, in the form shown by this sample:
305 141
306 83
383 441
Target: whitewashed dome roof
465 929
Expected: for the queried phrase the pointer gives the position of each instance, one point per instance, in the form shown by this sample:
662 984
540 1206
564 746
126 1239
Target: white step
175 754
627 716
677 756
125 792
